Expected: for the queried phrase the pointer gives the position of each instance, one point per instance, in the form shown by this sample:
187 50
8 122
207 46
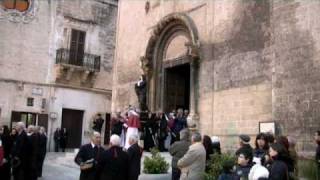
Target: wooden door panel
72 120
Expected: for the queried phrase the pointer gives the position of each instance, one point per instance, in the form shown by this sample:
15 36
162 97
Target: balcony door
77 47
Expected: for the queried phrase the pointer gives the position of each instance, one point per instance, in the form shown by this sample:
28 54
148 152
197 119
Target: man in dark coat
163 130
87 158
150 129
20 153
117 124
42 150
114 163
98 123
245 147
33 153
56 137
180 123
134 153
63 139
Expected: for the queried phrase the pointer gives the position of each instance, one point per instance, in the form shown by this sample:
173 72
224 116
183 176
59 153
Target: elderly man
88 156
134 153
177 150
193 163
20 153
114 162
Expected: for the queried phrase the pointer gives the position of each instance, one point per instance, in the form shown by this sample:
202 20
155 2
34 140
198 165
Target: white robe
130 131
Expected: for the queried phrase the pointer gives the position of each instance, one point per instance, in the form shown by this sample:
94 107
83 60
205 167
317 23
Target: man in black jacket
114 163
33 138
87 158
42 149
134 153
20 153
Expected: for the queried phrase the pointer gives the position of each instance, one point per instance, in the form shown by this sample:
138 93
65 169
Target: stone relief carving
145 65
18 15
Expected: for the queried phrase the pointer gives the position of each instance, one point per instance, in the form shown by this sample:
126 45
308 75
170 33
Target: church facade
237 66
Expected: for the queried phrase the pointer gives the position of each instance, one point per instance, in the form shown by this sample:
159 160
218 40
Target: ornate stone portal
174 42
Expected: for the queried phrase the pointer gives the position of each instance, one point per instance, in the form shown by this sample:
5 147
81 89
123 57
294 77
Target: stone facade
257 62
28 61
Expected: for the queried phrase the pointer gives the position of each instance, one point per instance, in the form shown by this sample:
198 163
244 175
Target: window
30 101
77 47
20 5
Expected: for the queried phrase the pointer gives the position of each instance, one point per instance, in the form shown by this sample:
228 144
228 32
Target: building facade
238 66
56 64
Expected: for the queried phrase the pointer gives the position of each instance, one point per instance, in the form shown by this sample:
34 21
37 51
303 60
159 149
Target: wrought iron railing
87 61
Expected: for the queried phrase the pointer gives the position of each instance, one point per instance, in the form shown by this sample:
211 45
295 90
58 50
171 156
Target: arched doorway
170 64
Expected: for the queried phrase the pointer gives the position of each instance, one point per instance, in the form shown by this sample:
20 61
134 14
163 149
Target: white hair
95 133
21 125
134 138
115 140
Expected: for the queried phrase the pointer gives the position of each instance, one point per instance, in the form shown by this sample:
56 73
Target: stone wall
28 60
258 63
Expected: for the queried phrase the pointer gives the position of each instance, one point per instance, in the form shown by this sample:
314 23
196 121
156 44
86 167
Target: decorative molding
16 16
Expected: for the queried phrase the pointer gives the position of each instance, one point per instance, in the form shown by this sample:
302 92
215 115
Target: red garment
171 122
1 155
134 121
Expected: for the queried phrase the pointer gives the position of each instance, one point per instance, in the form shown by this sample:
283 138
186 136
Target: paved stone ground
61 166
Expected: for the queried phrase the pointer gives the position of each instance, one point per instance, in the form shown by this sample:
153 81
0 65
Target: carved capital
145 65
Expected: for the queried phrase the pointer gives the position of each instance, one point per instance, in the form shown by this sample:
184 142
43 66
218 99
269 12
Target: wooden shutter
77 47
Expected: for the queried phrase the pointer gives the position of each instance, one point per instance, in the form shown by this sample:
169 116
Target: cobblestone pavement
61 166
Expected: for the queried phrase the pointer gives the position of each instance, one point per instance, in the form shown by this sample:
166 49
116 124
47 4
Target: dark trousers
40 165
56 146
20 174
5 171
176 173
161 145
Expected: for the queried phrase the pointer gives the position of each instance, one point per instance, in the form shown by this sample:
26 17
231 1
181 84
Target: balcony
84 61
76 68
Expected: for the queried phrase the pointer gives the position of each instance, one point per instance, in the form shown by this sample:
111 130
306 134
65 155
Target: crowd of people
22 152
158 130
114 163
271 158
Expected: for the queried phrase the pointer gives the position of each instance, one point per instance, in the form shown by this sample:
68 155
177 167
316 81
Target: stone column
193 118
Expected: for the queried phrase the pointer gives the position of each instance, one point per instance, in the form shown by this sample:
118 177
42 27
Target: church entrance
177 87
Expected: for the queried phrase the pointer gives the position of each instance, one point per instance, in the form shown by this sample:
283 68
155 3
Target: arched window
20 5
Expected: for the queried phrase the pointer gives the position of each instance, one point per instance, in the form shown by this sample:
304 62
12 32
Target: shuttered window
77 47
20 5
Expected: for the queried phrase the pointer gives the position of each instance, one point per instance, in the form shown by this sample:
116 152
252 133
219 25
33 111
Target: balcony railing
86 61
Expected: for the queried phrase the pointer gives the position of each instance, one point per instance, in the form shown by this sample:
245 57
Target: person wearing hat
244 141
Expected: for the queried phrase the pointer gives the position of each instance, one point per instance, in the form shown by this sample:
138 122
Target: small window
20 5
30 101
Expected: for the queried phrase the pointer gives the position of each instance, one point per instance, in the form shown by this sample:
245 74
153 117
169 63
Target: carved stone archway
171 26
